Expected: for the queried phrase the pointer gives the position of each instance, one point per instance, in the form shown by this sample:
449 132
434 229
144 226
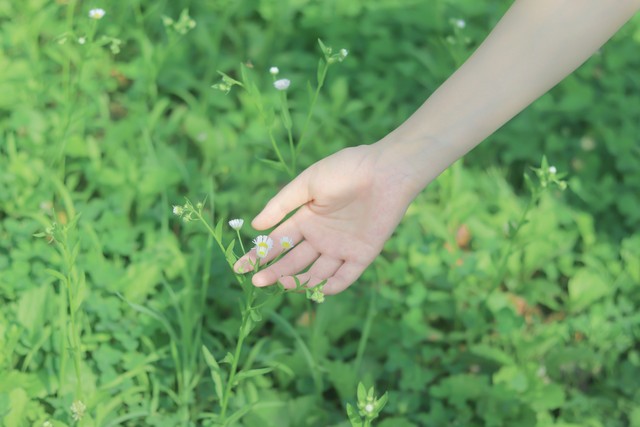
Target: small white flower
552 170
343 53
274 71
263 245
460 23
236 224
178 210
368 408
82 40
47 424
282 84
77 410
96 13
286 243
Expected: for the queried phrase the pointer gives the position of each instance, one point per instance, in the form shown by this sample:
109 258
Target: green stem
74 339
288 124
502 269
366 330
277 150
234 365
240 240
323 75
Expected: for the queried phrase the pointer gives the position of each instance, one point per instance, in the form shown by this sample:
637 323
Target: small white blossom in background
343 54
286 243
236 224
82 40
47 424
282 84
46 205
178 210
263 245
552 170
274 71
460 23
96 13
77 410
368 408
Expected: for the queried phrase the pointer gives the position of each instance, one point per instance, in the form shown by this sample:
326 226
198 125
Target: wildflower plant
295 140
546 177
250 307
72 283
368 408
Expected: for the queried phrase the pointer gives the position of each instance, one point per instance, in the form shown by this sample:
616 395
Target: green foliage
488 307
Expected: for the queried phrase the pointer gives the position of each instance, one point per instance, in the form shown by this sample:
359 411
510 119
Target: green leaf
228 80
215 371
57 275
228 358
274 164
255 314
362 392
243 375
80 291
229 255
217 231
586 287
325 50
381 402
354 416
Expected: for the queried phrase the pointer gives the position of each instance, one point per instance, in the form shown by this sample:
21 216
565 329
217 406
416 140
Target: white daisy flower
286 243
263 245
282 84
274 71
96 13
236 224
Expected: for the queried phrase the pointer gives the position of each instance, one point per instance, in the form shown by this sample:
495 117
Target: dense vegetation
496 303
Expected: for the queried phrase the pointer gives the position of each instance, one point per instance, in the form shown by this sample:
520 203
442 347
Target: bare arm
350 203
534 46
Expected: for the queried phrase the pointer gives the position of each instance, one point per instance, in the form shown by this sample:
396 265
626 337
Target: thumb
292 196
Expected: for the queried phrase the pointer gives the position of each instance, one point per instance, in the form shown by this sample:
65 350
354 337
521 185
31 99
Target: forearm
534 46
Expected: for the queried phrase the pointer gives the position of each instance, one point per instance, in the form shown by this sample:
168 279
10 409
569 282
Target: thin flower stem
323 75
286 119
277 150
232 373
505 258
74 339
236 356
366 330
240 240
213 233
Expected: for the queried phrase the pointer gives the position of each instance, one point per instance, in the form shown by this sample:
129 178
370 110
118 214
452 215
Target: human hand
349 204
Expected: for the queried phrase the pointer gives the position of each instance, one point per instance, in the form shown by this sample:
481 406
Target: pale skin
349 203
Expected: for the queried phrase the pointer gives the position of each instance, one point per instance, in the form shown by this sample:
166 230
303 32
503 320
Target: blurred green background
115 120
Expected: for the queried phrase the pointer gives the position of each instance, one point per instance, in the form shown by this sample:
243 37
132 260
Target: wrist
411 162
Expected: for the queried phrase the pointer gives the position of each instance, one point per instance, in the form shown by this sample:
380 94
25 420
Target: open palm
348 207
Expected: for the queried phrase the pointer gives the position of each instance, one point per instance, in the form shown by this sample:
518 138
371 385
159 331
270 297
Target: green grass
108 298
